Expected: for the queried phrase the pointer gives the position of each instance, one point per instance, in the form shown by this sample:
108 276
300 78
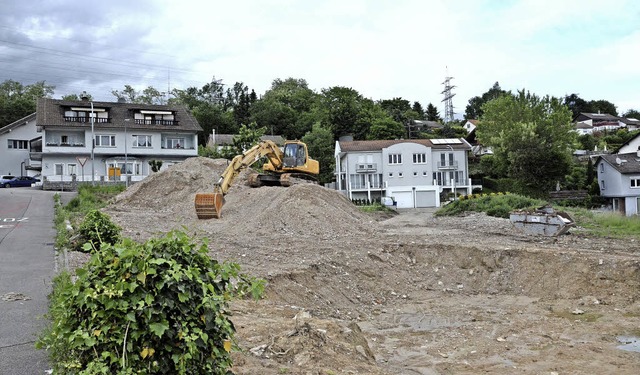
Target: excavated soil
355 293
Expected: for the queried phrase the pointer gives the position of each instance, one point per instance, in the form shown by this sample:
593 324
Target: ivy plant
96 228
160 307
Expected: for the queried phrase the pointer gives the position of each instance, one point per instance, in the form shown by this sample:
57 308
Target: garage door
425 198
403 198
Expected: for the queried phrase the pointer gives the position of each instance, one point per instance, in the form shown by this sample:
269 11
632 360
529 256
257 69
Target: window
364 181
415 174
390 174
17 144
602 184
176 143
59 169
103 140
399 174
71 169
141 141
395 158
64 139
602 167
635 182
419 158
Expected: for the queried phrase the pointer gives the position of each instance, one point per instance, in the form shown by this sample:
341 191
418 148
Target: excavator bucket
209 205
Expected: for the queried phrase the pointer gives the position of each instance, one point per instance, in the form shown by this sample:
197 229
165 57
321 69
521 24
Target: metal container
543 221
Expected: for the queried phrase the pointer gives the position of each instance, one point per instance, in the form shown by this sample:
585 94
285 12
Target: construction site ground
403 292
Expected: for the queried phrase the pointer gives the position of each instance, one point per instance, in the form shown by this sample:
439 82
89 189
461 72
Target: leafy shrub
97 228
154 308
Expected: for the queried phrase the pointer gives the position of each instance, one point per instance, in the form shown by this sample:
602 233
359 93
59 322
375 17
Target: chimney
84 96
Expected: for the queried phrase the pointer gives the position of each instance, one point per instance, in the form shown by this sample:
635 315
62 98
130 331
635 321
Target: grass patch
586 317
375 208
498 205
605 224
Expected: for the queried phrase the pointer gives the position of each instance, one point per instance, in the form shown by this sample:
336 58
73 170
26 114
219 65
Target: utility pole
448 95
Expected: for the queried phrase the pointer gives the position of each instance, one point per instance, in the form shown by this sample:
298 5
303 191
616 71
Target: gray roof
50 113
629 163
346 146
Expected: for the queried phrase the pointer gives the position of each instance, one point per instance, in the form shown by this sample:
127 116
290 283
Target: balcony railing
156 122
98 120
64 144
448 165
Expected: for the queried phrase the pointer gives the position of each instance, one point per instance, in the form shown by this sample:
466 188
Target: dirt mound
302 210
169 188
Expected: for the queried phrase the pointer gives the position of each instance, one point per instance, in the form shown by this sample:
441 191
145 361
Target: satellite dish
618 161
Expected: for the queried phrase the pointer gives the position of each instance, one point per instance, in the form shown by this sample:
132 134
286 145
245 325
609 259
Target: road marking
14 219
5 226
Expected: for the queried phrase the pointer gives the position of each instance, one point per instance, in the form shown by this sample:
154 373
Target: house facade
619 180
124 136
415 172
17 140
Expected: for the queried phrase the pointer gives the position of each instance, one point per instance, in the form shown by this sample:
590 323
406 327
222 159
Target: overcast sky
381 48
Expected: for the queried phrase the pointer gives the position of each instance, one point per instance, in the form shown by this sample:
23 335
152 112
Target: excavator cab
295 155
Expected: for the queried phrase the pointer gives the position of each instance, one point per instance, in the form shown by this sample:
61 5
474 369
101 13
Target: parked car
13 181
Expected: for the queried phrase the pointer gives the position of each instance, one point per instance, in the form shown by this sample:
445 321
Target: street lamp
93 146
126 164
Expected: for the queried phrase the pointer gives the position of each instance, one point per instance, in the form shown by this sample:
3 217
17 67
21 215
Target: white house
619 180
125 137
16 141
414 172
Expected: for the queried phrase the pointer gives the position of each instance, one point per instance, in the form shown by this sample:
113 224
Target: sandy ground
407 293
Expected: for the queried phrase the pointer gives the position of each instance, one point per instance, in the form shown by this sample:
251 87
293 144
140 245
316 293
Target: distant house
57 140
619 180
414 172
630 146
470 125
589 123
415 127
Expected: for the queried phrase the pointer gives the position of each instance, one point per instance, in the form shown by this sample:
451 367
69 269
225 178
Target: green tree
385 128
321 146
632 113
77 97
417 108
247 137
532 139
586 142
603 106
432 113
577 105
285 109
474 108
18 100
344 111
399 109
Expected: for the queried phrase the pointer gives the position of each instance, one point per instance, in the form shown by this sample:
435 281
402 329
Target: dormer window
147 117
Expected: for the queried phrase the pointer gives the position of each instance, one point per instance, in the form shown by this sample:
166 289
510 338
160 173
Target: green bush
154 308
95 229
493 204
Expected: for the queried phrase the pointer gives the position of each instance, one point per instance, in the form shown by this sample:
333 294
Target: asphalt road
27 265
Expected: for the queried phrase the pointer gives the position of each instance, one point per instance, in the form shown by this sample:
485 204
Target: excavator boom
294 160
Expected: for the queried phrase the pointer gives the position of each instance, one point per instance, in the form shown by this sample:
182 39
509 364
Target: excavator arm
239 162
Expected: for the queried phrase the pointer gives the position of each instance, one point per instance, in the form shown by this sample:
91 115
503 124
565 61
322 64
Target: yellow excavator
282 164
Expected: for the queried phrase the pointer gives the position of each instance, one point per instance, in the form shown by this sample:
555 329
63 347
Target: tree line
531 136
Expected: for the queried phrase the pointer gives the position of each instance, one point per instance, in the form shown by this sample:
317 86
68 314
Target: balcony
447 166
64 144
156 122
366 167
98 120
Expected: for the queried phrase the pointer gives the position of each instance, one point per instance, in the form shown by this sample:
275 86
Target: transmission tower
448 104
